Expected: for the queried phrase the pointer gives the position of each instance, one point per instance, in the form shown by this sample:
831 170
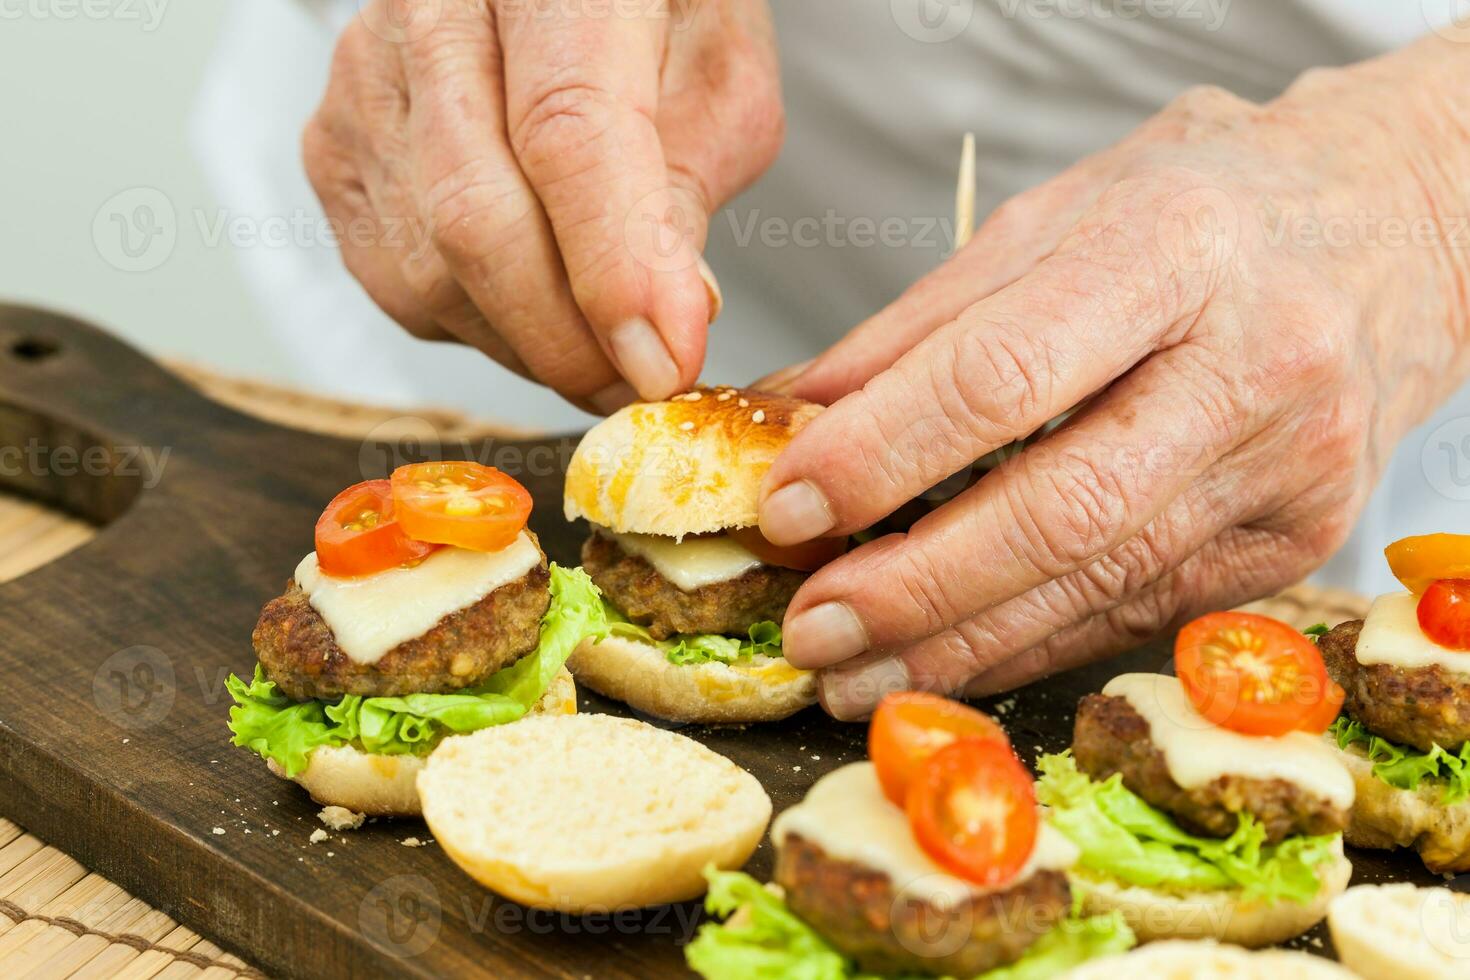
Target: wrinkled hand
535 180
1246 383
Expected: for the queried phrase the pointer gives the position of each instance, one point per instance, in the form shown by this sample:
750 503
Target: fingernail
782 381
795 513
712 289
613 397
822 636
643 359
852 694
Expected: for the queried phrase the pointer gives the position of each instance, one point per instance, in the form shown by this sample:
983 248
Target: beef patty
639 592
1421 707
298 651
859 912
1110 737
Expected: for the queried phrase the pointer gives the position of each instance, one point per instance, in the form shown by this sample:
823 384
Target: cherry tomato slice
1421 560
1444 613
910 726
358 535
1251 674
805 557
460 503
1326 711
972 808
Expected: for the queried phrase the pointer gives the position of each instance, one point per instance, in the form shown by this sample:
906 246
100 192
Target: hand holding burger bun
427 609
695 595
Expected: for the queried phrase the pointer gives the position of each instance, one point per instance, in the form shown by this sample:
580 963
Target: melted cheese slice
692 563
371 615
1197 752
1391 635
849 818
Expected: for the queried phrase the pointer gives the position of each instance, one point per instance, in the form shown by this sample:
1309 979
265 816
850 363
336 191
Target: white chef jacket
878 93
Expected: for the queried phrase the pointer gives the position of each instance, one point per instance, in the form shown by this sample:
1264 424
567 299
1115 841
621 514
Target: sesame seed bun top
690 465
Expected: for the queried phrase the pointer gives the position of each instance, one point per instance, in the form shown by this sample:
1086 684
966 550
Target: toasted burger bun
1384 817
1399 932
384 785
639 675
1222 915
689 465
590 813
1204 960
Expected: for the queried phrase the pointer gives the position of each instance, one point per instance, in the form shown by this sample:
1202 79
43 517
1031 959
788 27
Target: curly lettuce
274 727
1123 837
1404 767
763 639
762 939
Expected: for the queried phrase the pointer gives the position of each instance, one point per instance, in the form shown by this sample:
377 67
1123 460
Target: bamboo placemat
57 919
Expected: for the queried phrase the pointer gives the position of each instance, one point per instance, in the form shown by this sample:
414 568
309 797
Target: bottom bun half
387 785
639 675
1222 915
1385 817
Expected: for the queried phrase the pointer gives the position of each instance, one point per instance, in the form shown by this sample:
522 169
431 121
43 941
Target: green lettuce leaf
275 727
1404 767
1123 837
763 639
1317 631
761 939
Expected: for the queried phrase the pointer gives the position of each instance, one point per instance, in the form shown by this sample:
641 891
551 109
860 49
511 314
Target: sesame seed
759 415
686 426
743 403
693 396
723 396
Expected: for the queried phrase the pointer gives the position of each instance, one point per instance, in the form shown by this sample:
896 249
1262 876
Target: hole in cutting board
34 348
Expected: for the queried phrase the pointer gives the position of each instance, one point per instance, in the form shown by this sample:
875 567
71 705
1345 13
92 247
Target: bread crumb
218 831
686 426
317 836
341 818
758 416
412 842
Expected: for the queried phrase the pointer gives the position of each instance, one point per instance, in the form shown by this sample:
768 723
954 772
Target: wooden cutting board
113 744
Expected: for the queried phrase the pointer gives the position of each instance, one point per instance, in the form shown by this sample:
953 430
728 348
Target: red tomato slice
910 726
1420 560
1251 674
972 807
460 503
1326 711
357 534
1444 613
805 557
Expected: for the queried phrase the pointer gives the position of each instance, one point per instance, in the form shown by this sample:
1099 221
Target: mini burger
1404 732
931 859
426 610
1207 805
695 595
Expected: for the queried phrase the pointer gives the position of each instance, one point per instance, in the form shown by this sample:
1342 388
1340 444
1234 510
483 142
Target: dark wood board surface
113 744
